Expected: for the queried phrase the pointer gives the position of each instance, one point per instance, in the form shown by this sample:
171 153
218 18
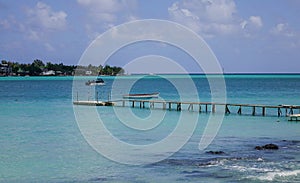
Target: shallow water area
41 142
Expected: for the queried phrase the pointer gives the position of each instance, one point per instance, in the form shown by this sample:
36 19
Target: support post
151 104
170 106
164 106
200 108
133 103
227 111
123 103
240 110
253 111
279 112
213 108
291 111
179 106
143 104
206 108
97 96
263 111
191 107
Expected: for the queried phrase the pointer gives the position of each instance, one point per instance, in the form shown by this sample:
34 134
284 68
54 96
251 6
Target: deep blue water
40 140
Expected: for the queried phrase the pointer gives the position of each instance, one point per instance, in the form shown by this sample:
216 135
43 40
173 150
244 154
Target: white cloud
187 13
207 17
220 11
10 23
102 5
38 23
107 10
104 14
41 22
283 29
44 17
256 21
211 17
184 15
286 36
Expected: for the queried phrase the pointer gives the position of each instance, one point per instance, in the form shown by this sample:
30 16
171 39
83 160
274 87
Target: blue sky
246 36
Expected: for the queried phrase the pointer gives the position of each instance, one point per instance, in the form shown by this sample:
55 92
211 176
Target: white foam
270 176
260 159
245 169
217 162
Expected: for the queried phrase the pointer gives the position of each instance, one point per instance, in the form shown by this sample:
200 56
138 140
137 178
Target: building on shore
5 70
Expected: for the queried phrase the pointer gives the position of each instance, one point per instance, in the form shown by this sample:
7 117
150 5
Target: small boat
141 96
98 81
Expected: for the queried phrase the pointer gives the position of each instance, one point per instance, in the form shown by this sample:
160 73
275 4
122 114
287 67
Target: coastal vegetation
39 68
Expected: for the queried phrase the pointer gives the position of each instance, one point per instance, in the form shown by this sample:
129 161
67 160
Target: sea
42 140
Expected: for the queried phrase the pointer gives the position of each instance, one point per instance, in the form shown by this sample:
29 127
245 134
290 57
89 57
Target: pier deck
255 109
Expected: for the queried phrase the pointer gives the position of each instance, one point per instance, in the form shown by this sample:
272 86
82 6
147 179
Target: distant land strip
39 68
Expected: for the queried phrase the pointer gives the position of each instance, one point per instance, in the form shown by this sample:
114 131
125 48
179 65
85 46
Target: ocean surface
40 139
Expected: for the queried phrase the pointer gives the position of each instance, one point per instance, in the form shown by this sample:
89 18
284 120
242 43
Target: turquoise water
41 142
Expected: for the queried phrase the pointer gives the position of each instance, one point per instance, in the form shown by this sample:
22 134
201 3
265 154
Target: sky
247 36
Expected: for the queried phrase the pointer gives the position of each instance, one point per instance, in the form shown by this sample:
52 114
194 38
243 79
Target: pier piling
253 111
178 106
213 108
191 107
263 111
279 113
240 110
151 105
227 111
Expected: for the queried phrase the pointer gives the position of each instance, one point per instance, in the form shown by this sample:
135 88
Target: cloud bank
212 17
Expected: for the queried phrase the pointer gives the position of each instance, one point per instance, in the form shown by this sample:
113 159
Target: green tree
3 62
37 66
107 70
100 69
15 67
38 63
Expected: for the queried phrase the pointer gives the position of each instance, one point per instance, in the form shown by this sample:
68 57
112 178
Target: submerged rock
215 152
267 146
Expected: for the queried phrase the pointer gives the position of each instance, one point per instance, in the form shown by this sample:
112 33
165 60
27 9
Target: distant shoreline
160 74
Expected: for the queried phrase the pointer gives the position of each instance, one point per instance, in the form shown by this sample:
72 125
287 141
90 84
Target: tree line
39 68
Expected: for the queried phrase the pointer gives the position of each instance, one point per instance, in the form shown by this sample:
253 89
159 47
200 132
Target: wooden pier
206 107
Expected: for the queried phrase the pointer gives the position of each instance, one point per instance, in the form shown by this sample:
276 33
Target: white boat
98 81
141 96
